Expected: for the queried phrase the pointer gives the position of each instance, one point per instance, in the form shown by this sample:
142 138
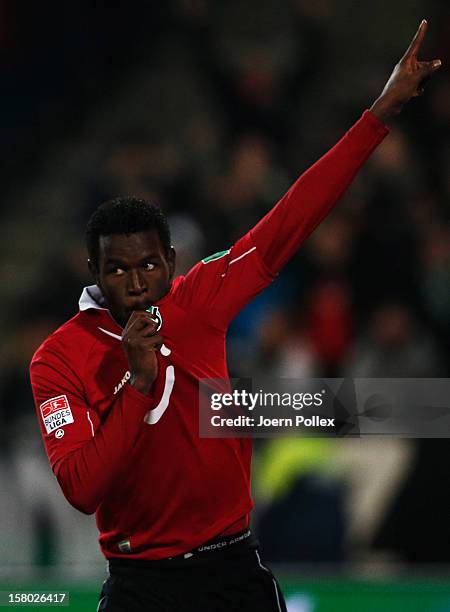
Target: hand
141 344
406 81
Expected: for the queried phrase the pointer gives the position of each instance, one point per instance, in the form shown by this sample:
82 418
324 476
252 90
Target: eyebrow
118 261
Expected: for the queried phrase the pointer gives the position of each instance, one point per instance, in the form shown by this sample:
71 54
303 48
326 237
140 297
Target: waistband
218 549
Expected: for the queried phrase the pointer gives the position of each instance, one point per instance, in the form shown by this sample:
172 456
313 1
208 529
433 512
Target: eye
116 271
148 266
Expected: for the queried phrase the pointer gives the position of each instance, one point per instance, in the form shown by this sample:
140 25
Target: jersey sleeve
86 455
310 199
222 284
218 287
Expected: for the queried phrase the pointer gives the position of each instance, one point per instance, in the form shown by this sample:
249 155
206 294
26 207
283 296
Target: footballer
116 387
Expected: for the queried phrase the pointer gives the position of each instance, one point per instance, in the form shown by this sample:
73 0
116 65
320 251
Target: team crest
154 311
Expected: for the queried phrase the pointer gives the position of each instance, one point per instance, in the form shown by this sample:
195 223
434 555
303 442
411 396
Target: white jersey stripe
153 415
92 425
105 331
241 256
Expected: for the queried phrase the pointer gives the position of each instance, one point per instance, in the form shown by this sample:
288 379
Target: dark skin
134 271
406 81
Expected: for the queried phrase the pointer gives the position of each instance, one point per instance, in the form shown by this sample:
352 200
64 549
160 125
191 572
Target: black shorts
217 577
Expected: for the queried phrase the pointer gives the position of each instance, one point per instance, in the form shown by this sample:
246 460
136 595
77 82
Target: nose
136 283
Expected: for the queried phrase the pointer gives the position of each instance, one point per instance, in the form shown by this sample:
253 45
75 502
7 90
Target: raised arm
227 281
281 232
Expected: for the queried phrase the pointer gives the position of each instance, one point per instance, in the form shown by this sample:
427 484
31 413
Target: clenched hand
140 344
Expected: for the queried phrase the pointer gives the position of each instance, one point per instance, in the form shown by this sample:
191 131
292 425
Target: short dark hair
125 215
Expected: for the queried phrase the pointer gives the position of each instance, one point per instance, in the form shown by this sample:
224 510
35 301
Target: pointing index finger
413 49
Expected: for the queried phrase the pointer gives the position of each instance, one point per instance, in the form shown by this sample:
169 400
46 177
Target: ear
93 270
171 260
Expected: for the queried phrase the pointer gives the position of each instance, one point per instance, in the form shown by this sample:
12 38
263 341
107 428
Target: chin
121 318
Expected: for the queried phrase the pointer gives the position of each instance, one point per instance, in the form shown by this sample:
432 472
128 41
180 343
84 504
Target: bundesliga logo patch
56 413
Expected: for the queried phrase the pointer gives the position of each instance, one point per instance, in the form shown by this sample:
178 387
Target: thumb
426 69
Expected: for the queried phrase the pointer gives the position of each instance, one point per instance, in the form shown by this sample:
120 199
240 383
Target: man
116 387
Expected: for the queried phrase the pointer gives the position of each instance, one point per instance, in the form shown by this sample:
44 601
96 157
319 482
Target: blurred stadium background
212 109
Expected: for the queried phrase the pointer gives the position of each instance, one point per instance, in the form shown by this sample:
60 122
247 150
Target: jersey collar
92 297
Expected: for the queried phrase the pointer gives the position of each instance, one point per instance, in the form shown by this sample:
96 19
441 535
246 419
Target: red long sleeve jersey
158 490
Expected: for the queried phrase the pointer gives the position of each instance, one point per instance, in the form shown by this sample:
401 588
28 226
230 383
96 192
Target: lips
139 305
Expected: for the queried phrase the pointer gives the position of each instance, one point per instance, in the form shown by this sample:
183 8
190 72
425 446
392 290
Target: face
134 271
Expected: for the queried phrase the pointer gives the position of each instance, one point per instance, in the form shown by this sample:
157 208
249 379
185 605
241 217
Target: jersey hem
173 551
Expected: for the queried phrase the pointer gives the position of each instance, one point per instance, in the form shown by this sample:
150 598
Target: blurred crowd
212 109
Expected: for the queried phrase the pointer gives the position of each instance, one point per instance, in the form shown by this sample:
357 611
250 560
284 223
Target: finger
413 49
137 320
426 70
142 314
144 328
154 342
157 341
